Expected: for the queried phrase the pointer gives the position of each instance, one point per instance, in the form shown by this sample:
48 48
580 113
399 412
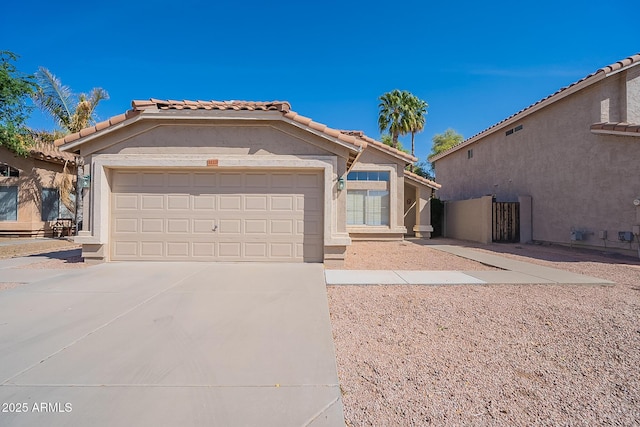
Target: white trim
614 132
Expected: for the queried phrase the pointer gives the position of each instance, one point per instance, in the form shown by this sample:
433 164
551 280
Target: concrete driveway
167 344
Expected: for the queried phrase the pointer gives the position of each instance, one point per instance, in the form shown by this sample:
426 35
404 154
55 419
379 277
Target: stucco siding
222 138
577 179
34 176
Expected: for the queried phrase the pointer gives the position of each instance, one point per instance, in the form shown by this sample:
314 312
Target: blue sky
475 63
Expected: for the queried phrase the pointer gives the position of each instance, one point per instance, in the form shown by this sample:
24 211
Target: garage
202 215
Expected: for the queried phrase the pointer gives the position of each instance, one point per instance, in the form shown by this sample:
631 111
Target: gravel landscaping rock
493 354
404 255
25 247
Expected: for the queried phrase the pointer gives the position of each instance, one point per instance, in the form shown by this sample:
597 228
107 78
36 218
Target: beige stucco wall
34 176
235 144
469 219
410 205
576 179
417 216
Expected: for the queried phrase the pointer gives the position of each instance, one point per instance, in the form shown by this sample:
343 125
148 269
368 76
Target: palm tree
417 110
71 114
392 114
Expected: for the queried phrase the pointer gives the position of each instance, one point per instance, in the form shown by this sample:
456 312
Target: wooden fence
506 222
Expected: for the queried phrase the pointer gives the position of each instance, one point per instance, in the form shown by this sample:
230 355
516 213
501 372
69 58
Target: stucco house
31 201
572 158
239 181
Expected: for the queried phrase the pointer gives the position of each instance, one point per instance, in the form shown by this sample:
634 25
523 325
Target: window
8 171
368 176
367 207
50 204
65 212
368 198
9 203
470 154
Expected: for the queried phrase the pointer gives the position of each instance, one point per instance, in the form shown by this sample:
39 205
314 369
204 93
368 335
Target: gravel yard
404 256
25 247
492 354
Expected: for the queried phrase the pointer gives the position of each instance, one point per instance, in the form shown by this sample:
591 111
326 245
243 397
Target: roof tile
422 179
357 138
606 70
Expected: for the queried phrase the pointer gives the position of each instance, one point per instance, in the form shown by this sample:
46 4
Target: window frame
374 206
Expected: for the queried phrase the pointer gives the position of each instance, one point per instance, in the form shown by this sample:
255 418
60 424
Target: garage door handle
215 228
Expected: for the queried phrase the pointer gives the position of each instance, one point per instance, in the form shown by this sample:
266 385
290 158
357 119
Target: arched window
8 171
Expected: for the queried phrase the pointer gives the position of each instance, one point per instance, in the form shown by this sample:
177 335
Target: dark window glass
8 203
50 204
8 171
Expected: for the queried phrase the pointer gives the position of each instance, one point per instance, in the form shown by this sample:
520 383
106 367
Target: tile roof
356 138
619 128
591 78
422 180
49 153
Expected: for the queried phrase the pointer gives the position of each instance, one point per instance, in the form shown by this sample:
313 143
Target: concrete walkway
512 272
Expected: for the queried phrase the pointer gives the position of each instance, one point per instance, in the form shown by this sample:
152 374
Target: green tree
15 90
444 141
392 115
70 112
415 117
400 113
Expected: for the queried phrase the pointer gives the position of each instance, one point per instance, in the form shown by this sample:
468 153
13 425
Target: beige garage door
223 216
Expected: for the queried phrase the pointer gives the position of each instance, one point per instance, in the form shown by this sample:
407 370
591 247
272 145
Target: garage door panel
257 216
230 202
151 249
203 249
178 225
204 202
282 203
151 202
125 225
204 226
178 201
179 179
229 250
152 179
230 226
150 225
126 201
257 202
178 249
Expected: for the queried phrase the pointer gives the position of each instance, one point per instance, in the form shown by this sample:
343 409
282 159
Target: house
572 158
31 200
239 181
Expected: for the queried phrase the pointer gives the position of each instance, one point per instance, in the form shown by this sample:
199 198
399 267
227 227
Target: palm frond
53 97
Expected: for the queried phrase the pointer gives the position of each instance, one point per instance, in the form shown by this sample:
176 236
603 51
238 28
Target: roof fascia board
614 132
82 140
530 110
320 134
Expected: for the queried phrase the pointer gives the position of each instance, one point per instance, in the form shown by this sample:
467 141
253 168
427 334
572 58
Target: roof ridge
616 66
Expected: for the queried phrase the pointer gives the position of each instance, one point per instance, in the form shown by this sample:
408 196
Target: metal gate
506 222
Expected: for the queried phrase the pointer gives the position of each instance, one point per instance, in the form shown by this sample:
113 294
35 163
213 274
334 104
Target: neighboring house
573 158
239 181
31 202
